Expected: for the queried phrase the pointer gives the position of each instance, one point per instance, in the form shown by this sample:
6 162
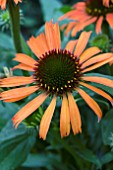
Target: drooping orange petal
82 42
23 67
100 80
91 103
99 24
82 25
71 45
74 114
14 99
98 58
16 81
109 18
69 27
18 92
67 15
28 109
32 43
98 91
25 59
64 118
97 65
89 53
46 119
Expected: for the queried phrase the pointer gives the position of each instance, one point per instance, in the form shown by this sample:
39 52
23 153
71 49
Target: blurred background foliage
21 148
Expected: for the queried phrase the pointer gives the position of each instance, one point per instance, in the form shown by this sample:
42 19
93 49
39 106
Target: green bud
101 41
5 19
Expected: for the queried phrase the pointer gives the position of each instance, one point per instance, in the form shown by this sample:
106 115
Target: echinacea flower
57 72
3 3
107 3
86 13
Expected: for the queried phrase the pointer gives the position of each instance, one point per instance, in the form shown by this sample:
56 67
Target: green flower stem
111 69
15 25
106 30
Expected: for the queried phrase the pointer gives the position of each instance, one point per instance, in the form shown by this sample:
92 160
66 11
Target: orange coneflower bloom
3 3
86 13
107 3
57 72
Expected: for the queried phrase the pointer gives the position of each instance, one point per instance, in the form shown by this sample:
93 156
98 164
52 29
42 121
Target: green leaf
108 157
103 104
6 46
15 145
46 160
107 127
9 109
65 8
25 46
78 150
50 11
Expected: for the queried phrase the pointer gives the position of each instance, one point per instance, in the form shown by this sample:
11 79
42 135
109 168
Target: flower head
57 72
107 3
86 13
3 3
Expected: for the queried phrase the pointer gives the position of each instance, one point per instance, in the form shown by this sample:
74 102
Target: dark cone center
96 8
58 72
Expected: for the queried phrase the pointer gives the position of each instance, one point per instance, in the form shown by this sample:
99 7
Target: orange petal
14 99
23 67
57 36
28 109
3 4
16 81
18 92
34 47
80 5
74 114
97 65
99 24
16 1
109 18
82 42
25 59
46 119
98 58
89 53
88 22
91 103
69 27
106 3
100 80
43 46
82 24
67 15
71 45
98 91
64 118
50 35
